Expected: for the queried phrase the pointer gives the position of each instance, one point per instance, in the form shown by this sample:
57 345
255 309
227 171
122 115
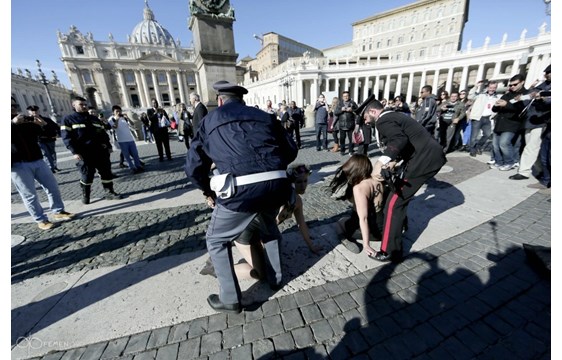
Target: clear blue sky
318 23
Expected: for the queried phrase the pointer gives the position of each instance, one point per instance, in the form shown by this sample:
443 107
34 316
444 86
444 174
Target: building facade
150 65
398 52
29 90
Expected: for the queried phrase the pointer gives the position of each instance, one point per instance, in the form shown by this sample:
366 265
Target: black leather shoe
382 256
518 177
214 302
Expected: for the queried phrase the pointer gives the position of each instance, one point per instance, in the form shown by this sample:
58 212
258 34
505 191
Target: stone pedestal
215 57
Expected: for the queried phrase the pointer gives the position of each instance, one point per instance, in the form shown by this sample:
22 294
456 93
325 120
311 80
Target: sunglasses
512 85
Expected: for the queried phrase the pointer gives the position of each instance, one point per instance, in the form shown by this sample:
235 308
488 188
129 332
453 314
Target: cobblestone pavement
471 296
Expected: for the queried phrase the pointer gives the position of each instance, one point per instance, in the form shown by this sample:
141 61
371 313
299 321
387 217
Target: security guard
253 148
404 139
84 135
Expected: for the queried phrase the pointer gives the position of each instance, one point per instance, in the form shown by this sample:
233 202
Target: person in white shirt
481 114
120 124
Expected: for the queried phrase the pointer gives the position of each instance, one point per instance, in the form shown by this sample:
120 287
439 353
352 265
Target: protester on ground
367 199
28 166
240 140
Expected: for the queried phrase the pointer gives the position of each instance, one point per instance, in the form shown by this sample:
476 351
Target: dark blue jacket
82 132
242 140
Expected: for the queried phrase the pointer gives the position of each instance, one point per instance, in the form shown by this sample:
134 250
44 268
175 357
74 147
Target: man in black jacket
403 139
508 123
199 111
346 121
48 137
159 123
28 166
85 136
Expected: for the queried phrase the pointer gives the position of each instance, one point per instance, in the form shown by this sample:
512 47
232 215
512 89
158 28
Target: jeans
466 131
49 153
147 134
349 135
321 130
483 124
544 155
504 152
129 150
24 175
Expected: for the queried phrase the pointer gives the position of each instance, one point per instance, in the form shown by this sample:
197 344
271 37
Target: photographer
27 166
321 122
159 123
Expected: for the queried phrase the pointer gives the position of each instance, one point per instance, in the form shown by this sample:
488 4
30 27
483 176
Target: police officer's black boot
85 193
109 193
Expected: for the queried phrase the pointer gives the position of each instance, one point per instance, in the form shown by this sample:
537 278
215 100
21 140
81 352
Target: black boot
110 194
85 193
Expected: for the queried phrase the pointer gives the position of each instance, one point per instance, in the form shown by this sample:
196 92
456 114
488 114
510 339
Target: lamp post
287 82
45 82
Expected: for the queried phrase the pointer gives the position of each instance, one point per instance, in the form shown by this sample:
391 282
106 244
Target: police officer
254 149
85 136
423 157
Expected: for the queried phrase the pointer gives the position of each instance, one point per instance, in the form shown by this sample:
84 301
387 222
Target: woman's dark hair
353 171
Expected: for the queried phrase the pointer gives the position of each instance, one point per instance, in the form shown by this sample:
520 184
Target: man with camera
483 96
537 116
346 120
27 166
48 138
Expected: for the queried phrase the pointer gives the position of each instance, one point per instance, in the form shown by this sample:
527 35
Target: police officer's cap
228 88
547 70
361 109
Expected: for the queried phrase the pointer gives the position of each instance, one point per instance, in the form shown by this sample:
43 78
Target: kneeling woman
367 199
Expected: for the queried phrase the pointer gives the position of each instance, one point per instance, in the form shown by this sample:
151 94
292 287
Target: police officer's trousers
225 226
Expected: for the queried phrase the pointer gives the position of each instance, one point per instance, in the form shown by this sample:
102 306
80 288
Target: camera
28 119
545 93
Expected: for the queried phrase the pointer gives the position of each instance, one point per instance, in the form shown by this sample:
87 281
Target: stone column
436 81
337 87
410 88
423 79
376 87
366 88
386 93
156 87
140 89
346 85
356 90
449 84
146 90
515 67
496 69
171 88
464 78
480 73
125 94
180 87
398 89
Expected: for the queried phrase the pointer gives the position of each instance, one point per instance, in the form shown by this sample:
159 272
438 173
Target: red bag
330 124
358 137
173 124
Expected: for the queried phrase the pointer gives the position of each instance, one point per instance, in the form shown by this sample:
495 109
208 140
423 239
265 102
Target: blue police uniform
241 140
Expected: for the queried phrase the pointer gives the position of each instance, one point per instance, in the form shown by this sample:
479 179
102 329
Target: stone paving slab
110 247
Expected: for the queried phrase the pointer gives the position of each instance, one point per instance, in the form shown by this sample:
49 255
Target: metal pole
45 82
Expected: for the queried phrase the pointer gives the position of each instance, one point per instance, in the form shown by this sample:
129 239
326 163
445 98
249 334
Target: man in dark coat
199 110
346 121
422 156
251 151
159 123
508 123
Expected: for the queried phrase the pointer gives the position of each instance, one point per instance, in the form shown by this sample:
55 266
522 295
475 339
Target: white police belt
224 184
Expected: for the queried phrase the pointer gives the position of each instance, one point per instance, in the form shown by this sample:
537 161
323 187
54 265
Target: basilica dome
149 31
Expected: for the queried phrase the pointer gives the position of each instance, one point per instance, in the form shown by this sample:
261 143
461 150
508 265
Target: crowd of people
255 184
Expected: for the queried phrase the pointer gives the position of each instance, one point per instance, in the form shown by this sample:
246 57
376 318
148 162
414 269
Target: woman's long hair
352 172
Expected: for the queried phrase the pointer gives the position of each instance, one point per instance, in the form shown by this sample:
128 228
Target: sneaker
516 165
63 215
507 167
491 162
495 166
45 225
